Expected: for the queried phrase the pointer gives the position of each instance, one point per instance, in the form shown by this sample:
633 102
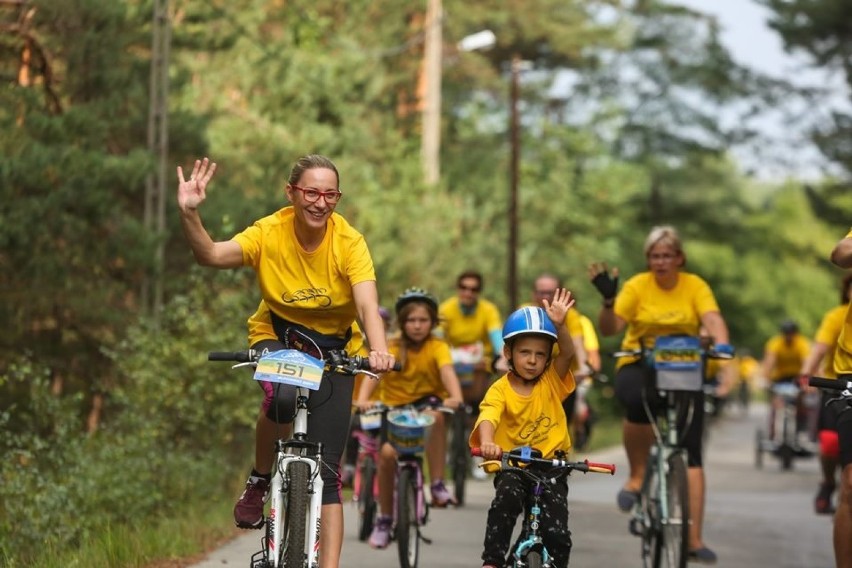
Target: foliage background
103 403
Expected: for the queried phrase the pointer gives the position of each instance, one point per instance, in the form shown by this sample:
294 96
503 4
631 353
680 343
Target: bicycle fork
533 539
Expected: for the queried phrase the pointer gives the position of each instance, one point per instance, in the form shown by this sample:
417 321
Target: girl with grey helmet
427 372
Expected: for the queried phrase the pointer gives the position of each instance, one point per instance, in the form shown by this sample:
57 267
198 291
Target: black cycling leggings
634 379
330 410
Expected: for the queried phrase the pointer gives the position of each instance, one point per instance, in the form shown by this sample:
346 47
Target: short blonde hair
667 235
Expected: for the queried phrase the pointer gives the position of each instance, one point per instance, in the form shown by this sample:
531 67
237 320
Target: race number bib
290 367
467 357
677 360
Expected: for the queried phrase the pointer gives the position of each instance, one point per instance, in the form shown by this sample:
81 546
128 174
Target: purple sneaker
380 537
441 497
248 512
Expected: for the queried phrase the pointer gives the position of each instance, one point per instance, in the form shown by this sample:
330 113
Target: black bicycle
529 550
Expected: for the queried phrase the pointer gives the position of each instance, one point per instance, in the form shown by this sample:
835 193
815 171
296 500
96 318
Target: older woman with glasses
316 277
664 300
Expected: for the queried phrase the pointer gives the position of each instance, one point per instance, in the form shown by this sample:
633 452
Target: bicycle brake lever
246 364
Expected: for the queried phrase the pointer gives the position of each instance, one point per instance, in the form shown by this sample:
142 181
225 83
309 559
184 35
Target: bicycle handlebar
337 360
831 384
584 466
709 353
434 403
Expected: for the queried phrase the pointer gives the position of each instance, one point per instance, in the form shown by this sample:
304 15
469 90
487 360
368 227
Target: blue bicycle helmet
415 294
528 320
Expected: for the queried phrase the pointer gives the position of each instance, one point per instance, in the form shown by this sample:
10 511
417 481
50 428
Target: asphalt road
754 518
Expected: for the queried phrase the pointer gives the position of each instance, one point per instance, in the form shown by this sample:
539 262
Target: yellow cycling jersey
828 334
313 289
459 328
651 311
420 375
537 420
788 356
843 353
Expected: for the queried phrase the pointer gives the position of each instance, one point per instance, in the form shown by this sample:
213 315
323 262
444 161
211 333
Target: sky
752 43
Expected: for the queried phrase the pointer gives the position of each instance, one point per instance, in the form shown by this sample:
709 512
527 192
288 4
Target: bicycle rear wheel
460 455
672 546
407 535
366 497
295 514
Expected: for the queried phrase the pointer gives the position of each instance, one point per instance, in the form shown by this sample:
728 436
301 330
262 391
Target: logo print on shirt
538 427
322 299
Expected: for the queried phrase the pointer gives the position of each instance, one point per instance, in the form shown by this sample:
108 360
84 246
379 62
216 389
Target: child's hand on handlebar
454 403
491 451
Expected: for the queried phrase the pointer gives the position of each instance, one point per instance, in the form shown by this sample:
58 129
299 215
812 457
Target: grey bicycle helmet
415 294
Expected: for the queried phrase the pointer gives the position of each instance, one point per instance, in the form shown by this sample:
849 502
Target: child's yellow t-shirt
536 420
420 375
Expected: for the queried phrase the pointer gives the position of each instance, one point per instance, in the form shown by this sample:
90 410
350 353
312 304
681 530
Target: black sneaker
702 555
822 502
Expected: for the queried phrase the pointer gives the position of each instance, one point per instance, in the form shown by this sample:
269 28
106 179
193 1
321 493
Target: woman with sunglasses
472 326
316 277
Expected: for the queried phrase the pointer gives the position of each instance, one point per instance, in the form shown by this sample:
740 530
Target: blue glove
724 349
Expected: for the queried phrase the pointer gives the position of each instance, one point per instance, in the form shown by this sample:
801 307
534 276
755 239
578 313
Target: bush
175 430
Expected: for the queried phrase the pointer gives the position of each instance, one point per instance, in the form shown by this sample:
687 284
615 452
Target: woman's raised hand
192 192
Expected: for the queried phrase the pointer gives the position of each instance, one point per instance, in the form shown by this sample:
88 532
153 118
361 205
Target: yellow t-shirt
843 353
536 420
313 289
827 334
651 311
590 336
788 356
420 375
460 329
748 368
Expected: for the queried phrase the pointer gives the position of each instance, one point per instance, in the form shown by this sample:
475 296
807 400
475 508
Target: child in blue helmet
524 408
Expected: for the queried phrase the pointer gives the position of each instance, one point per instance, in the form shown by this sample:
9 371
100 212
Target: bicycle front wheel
295 513
672 546
534 559
461 453
407 534
366 497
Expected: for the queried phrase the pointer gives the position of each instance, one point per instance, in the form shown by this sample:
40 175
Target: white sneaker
477 472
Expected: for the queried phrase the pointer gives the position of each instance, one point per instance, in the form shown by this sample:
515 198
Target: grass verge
170 543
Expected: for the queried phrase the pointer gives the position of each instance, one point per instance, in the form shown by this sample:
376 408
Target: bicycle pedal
635 527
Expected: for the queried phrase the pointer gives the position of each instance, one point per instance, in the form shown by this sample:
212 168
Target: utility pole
514 176
431 128
158 146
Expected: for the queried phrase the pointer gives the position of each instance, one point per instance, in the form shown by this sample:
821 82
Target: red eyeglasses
312 195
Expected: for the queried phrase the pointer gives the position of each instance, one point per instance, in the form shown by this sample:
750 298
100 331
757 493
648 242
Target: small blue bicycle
529 550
